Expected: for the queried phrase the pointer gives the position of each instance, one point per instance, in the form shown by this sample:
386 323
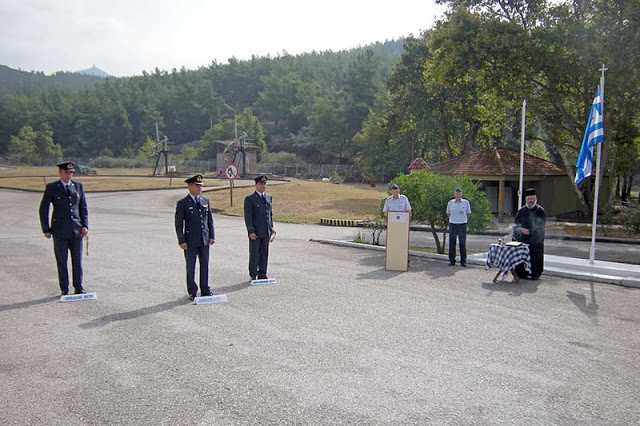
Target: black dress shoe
263 277
64 293
80 292
464 265
252 278
192 297
452 263
205 294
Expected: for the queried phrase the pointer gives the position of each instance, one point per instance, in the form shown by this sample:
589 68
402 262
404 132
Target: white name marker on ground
208 300
78 297
262 282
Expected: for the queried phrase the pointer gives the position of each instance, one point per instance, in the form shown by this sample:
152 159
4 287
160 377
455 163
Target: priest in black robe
529 229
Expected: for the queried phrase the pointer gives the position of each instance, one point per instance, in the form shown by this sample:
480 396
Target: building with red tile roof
418 165
497 171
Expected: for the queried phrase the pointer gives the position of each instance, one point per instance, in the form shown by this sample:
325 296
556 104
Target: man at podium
396 202
397 212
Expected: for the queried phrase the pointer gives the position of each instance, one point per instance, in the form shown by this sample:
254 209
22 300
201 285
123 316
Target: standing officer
258 218
194 228
458 211
69 223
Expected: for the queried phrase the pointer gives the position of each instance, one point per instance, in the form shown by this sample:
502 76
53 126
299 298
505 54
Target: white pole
592 252
524 118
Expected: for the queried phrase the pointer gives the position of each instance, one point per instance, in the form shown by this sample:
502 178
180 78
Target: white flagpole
592 253
523 124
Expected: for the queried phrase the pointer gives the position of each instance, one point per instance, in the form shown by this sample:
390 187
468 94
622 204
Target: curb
341 222
549 271
418 228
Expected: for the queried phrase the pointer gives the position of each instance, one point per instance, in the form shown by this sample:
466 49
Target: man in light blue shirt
458 211
396 202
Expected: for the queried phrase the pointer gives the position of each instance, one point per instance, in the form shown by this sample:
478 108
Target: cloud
126 37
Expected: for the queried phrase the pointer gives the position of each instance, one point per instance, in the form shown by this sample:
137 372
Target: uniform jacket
70 212
258 216
194 226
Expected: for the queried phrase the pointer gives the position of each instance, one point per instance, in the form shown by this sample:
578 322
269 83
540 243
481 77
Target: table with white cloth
507 257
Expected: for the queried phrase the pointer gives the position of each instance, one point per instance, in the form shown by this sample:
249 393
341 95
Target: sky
127 37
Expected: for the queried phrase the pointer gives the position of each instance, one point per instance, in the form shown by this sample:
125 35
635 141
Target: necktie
198 202
67 189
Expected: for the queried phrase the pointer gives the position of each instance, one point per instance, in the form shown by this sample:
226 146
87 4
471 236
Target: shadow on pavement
377 274
123 316
590 308
436 269
28 304
514 289
231 288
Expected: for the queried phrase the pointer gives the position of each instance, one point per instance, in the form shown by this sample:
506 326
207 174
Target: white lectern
397 258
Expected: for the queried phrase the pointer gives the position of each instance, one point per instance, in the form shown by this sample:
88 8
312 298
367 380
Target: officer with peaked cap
529 229
194 228
69 223
258 218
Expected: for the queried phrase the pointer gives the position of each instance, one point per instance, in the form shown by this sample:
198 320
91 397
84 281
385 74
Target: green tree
429 194
249 124
31 145
148 149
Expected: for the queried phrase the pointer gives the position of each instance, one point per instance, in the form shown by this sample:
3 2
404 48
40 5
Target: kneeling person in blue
69 223
194 228
258 218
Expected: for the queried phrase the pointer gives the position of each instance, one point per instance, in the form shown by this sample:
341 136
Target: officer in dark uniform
69 223
258 218
194 228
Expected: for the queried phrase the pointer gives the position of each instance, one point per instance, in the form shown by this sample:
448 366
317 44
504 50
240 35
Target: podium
397 253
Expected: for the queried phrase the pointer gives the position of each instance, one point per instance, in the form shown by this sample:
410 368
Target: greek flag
593 135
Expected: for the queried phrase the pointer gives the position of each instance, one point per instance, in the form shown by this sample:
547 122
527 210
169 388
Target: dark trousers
258 257
61 248
190 255
458 230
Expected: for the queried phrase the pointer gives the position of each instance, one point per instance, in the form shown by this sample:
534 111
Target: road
338 340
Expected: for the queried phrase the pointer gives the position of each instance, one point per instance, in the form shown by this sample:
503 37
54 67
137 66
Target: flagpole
524 119
592 252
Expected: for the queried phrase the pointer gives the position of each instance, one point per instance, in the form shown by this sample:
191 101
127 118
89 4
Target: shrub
429 194
630 219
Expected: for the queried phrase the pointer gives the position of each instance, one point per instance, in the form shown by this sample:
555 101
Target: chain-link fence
208 166
347 173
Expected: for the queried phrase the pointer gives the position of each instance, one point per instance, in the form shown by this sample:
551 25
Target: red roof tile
418 164
497 162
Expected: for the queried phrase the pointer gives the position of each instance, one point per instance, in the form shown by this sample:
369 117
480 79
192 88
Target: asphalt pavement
338 340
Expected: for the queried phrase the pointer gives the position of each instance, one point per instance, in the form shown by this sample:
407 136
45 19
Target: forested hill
16 82
311 104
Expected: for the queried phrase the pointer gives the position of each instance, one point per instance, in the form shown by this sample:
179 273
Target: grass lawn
104 180
301 201
53 171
